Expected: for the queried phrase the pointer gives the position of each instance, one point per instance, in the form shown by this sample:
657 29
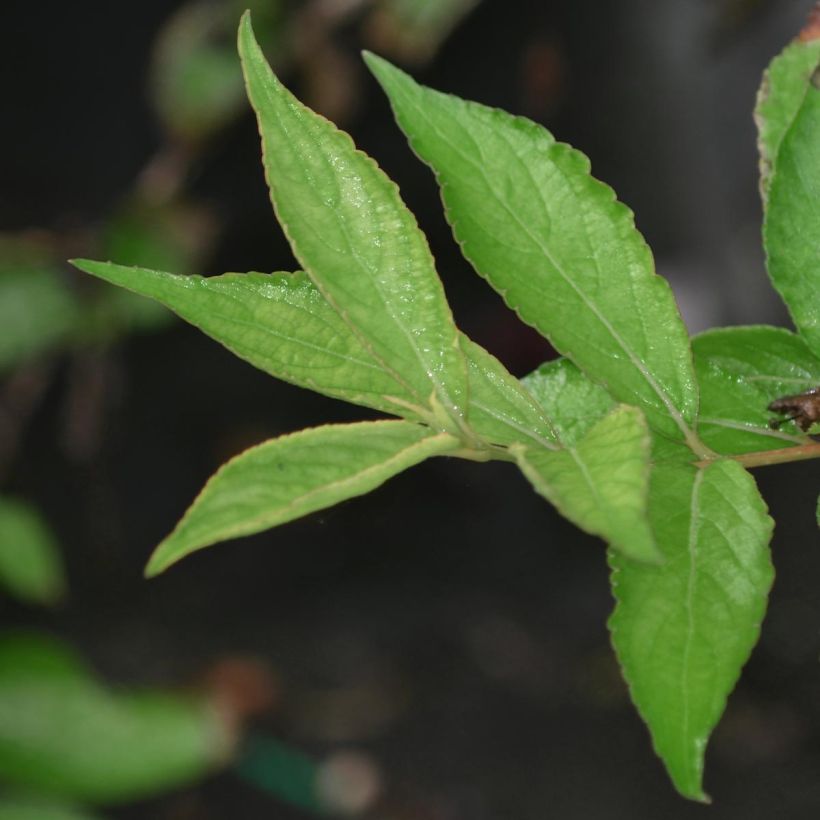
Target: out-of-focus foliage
414 29
38 310
30 565
196 83
30 808
64 734
64 737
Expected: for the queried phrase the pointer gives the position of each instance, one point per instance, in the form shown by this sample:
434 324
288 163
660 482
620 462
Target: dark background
450 625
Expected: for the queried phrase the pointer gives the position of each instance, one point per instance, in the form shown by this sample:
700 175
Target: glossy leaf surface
556 243
278 322
741 370
352 233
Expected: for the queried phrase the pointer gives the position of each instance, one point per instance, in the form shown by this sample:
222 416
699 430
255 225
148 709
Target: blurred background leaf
63 733
31 568
196 82
30 808
413 30
38 310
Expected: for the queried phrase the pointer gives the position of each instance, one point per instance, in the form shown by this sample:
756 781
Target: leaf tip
82 264
373 61
159 561
697 795
245 36
382 69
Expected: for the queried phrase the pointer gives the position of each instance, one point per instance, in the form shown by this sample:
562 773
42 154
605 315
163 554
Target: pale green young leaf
570 398
31 568
63 734
781 94
601 481
684 629
278 322
741 370
501 409
356 239
791 229
557 245
291 476
575 404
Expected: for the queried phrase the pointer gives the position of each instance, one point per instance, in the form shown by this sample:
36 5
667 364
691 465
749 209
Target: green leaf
30 808
501 409
568 397
291 476
575 404
741 370
781 94
63 734
791 229
30 565
683 630
354 236
557 245
279 323
601 482
37 310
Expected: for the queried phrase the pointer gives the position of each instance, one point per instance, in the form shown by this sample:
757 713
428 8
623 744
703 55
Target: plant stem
768 457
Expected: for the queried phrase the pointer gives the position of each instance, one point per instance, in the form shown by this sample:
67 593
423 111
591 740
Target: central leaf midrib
501 417
299 342
407 334
692 556
634 359
340 483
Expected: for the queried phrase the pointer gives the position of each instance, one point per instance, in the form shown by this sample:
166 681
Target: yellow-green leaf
291 476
